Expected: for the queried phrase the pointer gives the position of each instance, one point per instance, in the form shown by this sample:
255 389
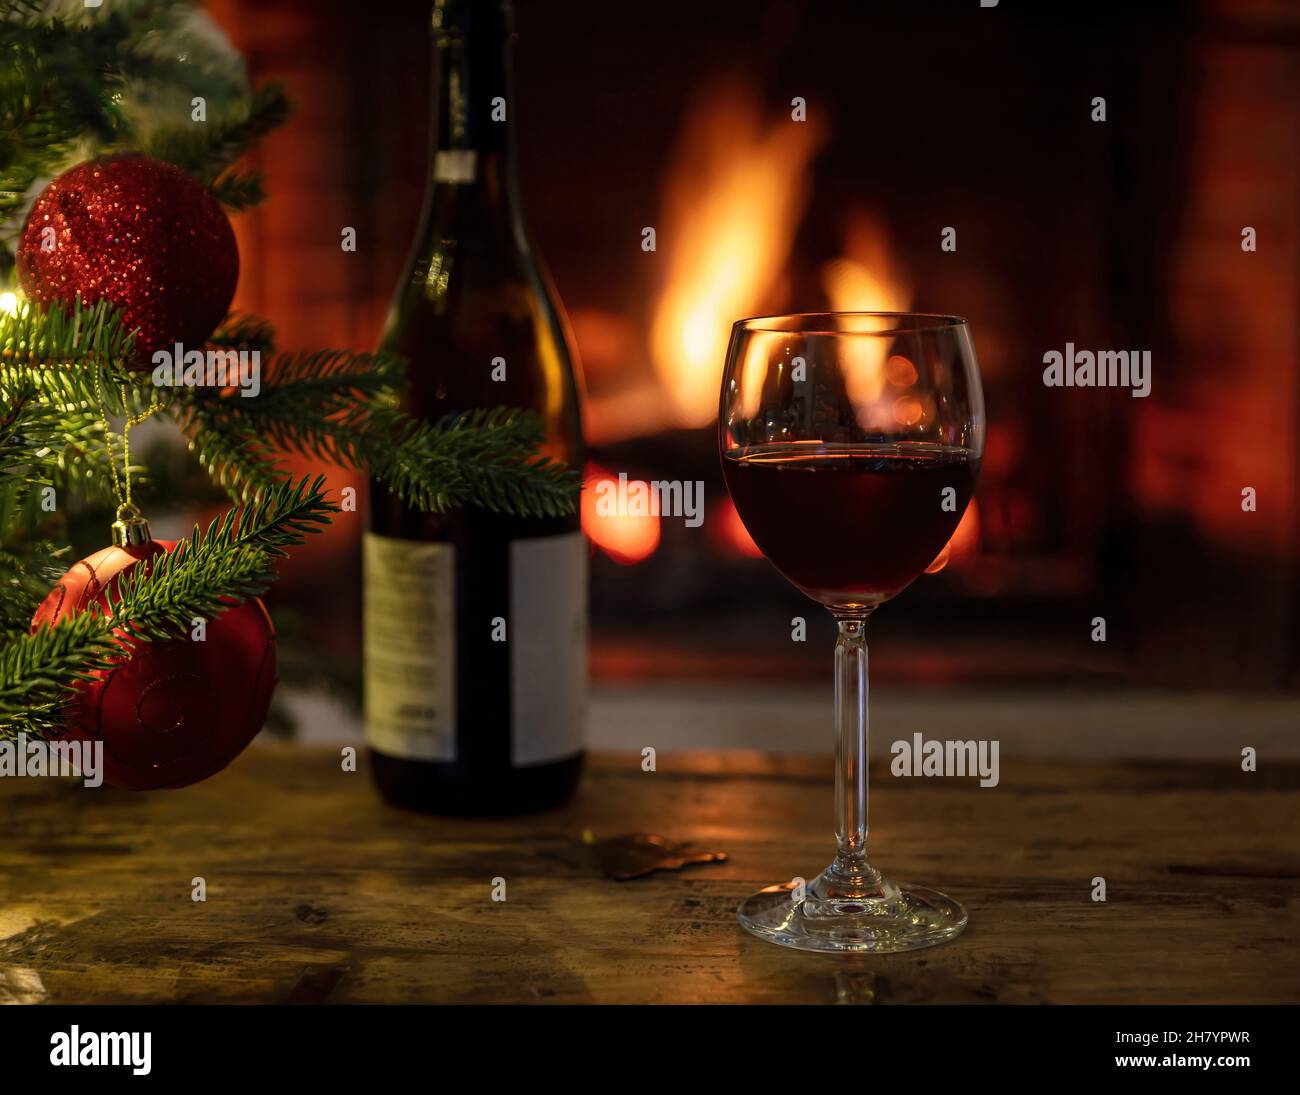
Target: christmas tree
101 99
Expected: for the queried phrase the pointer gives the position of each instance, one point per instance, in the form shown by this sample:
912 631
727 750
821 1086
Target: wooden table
316 891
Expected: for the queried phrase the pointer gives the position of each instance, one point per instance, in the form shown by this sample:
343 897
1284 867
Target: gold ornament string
122 495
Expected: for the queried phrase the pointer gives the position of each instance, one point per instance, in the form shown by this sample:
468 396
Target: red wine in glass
850 525
851 495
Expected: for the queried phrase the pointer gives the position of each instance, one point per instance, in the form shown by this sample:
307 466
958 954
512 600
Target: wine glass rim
807 323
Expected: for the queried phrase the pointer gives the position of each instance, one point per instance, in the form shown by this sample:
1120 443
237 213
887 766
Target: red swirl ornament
169 713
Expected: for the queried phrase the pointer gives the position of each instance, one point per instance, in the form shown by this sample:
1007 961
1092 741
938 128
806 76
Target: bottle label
548 647
409 638
455 165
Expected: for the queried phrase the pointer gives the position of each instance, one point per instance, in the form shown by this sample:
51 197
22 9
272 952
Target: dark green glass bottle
475 623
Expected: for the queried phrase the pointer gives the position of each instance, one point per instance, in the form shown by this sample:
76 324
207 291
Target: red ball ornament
142 234
169 713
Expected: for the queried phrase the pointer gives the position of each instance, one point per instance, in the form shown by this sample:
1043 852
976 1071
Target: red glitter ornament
141 234
169 713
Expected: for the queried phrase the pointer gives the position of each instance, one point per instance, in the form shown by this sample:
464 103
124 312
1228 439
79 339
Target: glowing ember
963 543
909 411
626 538
731 208
729 530
900 372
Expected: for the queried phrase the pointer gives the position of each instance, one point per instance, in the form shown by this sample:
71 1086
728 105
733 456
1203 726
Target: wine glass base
899 919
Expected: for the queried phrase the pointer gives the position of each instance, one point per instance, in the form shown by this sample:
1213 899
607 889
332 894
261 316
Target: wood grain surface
318 892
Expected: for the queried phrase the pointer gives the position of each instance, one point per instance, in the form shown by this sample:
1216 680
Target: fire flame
731 207
866 278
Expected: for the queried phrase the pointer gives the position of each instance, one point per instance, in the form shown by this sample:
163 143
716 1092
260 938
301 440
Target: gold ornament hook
130 529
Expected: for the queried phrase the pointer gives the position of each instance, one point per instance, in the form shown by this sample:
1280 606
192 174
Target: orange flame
733 202
866 278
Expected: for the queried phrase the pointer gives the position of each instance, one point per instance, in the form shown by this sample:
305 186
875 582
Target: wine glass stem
851 744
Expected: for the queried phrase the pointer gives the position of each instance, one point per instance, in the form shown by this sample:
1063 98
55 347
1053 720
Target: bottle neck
472 131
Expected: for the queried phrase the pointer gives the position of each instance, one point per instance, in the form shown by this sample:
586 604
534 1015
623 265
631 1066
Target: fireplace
841 157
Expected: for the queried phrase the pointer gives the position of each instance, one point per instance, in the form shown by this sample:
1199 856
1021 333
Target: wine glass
850 443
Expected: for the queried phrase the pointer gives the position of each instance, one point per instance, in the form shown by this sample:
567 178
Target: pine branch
93 338
183 585
33 722
23 12
245 332
164 49
42 444
279 519
483 458
59 371
27 571
64 76
304 405
157 601
342 408
239 190
36 669
80 457
75 81
209 149
238 464
48 103
231 561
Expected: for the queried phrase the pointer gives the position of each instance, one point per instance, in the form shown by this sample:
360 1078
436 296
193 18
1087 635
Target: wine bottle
475 622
